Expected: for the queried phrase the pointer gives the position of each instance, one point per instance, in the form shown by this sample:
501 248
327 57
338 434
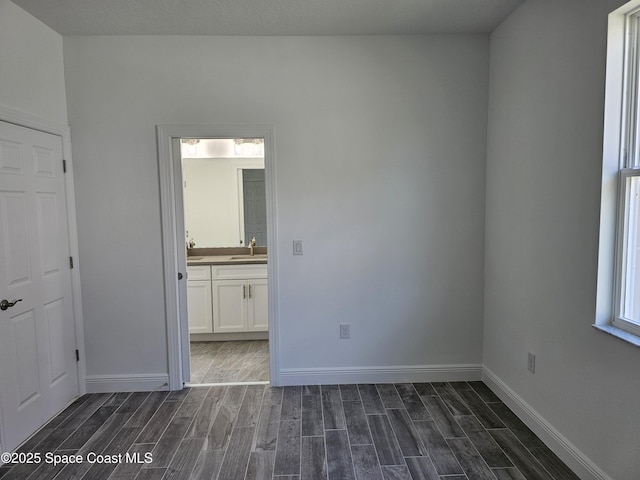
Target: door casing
172 215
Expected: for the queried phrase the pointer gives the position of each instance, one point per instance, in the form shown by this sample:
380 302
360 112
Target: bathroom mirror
224 192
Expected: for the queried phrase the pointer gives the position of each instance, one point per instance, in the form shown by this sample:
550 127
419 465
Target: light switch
297 247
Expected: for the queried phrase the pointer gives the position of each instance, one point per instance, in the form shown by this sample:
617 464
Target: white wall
31 62
544 164
31 69
379 153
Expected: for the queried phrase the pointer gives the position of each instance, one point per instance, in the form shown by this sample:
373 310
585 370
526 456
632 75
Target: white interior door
184 350
38 369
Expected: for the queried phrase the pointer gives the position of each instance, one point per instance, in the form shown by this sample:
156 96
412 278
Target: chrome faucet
252 245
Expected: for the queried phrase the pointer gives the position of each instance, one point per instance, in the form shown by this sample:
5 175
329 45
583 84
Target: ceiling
269 17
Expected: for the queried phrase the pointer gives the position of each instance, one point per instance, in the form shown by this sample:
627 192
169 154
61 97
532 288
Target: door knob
4 304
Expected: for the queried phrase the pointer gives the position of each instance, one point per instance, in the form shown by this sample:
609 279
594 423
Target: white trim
76 287
29 121
127 383
582 465
618 333
381 374
223 384
612 153
626 235
238 205
170 242
225 337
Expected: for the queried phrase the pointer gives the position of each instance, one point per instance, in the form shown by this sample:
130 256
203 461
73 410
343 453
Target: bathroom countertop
227 260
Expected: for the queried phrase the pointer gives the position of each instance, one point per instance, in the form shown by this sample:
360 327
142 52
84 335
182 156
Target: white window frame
628 160
625 235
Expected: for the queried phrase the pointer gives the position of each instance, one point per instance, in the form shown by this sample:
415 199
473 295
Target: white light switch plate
297 247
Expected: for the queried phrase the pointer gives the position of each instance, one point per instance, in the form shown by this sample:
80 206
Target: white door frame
22 119
173 217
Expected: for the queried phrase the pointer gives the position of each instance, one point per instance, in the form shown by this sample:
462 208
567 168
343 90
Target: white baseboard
396 374
224 337
126 383
563 448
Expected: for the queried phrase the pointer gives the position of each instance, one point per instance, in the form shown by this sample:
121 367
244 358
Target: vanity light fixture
238 146
192 143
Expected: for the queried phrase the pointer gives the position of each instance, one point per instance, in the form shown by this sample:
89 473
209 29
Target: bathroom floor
233 361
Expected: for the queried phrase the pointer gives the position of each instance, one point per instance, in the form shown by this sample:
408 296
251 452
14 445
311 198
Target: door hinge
77 355
71 262
64 166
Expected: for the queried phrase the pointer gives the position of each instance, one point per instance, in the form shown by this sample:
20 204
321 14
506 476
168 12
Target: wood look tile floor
232 361
433 431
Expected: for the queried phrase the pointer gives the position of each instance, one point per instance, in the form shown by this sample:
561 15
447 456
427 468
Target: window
627 311
626 308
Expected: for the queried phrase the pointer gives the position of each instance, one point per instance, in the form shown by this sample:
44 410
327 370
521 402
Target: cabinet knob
180 276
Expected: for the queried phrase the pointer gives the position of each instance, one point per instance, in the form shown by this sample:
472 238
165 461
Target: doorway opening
225 232
257 292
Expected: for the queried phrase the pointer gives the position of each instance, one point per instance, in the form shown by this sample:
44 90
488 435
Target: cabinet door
199 306
258 315
230 306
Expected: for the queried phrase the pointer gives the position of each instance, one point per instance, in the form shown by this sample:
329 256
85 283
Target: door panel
43 159
48 221
26 357
16 239
54 314
38 370
10 157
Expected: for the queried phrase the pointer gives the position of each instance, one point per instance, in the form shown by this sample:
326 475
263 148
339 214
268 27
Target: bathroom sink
249 257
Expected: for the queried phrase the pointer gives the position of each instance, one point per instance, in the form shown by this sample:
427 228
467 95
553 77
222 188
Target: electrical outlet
297 247
345 330
531 363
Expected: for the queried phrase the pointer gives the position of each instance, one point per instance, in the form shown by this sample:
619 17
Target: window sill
619 333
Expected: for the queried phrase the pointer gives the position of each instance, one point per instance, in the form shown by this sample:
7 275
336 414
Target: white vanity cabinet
199 299
239 298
